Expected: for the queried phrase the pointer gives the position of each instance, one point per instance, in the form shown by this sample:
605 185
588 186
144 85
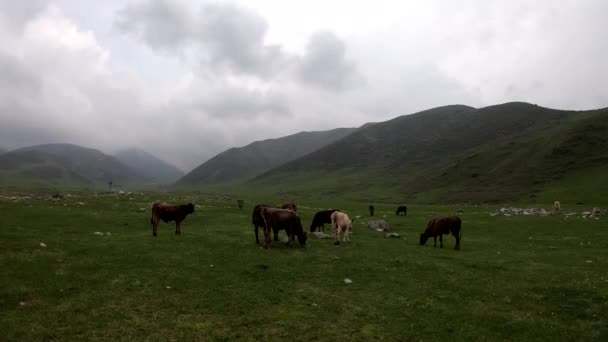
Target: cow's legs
276 234
154 226
267 238
257 240
177 228
440 240
337 236
457 246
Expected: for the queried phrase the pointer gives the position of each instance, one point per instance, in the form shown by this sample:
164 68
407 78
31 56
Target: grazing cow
278 219
321 218
240 203
341 223
402 210
168 213
442 225
290 206
556 208
371 210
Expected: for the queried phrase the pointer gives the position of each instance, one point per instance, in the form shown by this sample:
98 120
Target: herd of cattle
286 217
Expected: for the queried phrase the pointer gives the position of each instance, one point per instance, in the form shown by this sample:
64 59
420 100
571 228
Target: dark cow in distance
290 206
321 218
443 225
277 219
402 210
371 210
167 213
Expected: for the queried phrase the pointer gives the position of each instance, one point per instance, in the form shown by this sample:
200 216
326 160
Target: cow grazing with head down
320 219
442 225
167 213
276 219
402 210
341 223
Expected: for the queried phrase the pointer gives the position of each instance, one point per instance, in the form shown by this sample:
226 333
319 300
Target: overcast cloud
186 80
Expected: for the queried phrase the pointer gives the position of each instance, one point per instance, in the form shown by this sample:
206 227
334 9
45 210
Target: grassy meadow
516 278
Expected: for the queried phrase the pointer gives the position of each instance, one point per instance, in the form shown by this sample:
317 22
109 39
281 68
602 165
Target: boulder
379 225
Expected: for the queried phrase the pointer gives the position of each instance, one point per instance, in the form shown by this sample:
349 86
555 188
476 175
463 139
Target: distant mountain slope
2 150
63 165
238 164
149 166
453 153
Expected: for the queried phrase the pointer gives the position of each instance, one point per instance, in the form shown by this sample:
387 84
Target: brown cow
443 225
168 213
258 221
341 223
277 219
290 206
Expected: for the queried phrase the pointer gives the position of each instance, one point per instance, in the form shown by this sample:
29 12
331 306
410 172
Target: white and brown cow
341 223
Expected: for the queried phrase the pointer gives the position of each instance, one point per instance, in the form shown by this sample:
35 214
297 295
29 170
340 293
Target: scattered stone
42 244
347 281
108 233
98 233
358 216
588 261
80 203
22 303
314 304
379 225
392 235
211 266
168 287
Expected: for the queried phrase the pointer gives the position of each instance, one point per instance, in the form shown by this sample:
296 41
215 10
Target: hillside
451 154
242 163
63 165
2 150
149 166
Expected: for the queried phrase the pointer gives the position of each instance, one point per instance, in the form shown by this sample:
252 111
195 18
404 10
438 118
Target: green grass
516 278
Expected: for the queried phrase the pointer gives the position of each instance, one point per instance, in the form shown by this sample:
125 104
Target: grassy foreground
516 278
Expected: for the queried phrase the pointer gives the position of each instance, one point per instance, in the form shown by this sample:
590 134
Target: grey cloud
162 24
16 13
223 35
325 63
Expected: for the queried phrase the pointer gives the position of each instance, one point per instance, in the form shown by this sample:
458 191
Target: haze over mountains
149 166
512 151
239 164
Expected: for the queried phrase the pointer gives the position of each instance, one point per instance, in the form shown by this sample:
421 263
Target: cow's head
190 208
300 232
423 238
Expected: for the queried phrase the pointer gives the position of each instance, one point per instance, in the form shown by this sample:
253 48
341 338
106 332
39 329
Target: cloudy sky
188 79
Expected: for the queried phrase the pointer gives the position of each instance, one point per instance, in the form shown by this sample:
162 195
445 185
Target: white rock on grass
42 244
347 281
98 233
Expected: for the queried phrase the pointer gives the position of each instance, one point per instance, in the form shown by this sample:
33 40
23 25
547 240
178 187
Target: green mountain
63 165
239 164
151 167
512 151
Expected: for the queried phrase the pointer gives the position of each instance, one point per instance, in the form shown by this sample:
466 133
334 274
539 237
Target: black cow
321 218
